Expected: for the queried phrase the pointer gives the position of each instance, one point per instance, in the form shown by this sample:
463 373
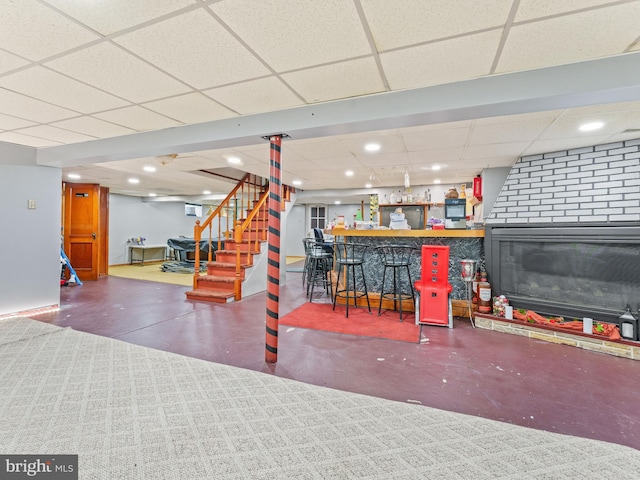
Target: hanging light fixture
407 181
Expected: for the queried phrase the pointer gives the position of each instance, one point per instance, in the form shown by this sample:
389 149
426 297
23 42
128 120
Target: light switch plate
31 204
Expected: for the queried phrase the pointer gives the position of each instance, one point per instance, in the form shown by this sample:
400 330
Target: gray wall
156 221
492 182
30 240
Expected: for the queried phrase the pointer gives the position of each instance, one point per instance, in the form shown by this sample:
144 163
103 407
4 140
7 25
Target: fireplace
575 271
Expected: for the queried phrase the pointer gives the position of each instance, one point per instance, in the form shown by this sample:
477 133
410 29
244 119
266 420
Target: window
318 216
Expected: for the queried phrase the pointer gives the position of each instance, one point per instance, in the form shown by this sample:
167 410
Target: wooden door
82 227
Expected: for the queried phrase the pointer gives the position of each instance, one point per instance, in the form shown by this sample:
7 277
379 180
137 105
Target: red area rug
320 316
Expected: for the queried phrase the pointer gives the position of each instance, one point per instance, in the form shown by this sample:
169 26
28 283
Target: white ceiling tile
432 64
570 38
93 127
115 15
435 139
514 149
318 149
390 142
530 9
255 96
10 123
436 156
559 144
291 35
568 125
509 131
33 31
410 22
137 118
31 109
8 61
339 80
195 48
50 86
113 70
190 108
20 139
56 134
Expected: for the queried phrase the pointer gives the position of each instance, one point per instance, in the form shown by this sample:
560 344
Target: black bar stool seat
318 265
397 258
348 256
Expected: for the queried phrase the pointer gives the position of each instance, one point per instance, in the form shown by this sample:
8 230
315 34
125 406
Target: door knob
93 235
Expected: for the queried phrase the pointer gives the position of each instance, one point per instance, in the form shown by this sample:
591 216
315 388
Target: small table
144 248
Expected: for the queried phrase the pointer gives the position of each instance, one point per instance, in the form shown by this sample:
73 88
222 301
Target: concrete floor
483 373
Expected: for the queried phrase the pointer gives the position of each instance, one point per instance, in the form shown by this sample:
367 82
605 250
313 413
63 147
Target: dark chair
317 269
326 245
397 258
348 256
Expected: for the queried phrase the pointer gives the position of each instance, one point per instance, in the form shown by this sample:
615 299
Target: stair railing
248 187
251 236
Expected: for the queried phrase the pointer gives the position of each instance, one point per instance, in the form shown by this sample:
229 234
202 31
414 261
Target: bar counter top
458 233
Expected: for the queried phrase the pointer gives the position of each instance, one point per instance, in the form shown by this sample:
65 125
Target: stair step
229 256
245 246
215 282
222 269
210 296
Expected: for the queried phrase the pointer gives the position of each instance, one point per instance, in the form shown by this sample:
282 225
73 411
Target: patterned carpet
131 412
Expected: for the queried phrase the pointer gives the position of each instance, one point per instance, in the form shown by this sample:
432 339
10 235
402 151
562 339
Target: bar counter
463 244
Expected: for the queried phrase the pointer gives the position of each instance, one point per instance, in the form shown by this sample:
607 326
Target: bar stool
318 264
398 258
348 257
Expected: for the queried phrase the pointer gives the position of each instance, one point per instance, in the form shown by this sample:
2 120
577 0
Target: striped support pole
273 258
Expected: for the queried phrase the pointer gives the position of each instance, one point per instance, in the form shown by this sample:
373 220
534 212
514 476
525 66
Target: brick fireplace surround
579 188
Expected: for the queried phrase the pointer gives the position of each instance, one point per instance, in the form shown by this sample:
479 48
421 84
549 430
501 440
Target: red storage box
433 286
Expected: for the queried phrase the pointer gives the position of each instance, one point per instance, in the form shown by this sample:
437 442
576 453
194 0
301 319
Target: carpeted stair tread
220 296
227 265
216 278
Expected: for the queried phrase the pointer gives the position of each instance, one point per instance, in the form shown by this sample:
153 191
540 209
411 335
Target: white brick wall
591 184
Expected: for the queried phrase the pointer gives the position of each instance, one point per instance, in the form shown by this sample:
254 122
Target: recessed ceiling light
588 127
337 202
206 192
368 185
297 183
436 167
372 147
234 160
349 173
152 194
73 176
133 180
437 180
149 168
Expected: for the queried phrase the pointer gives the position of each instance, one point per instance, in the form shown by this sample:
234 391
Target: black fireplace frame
605 233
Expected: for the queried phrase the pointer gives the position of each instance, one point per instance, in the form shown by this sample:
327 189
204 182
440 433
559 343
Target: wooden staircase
225 274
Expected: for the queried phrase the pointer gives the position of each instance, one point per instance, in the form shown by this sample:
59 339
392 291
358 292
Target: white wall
156 221
30 240
296 230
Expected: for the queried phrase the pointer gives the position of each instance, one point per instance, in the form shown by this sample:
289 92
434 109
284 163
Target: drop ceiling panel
514 149
190 108
426 21
319 150
93 127
341 80
289 37
568 125
137 118
432 64
512 131
20 139
384 159
531 9
389 143
115 71
436 155
56 134
195 48
256 96
560 144
116 15
31 109
436 139
10 123
9 61
570 38
49 32
50 86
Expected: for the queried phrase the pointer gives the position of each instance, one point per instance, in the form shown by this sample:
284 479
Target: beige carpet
152 273
131 412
